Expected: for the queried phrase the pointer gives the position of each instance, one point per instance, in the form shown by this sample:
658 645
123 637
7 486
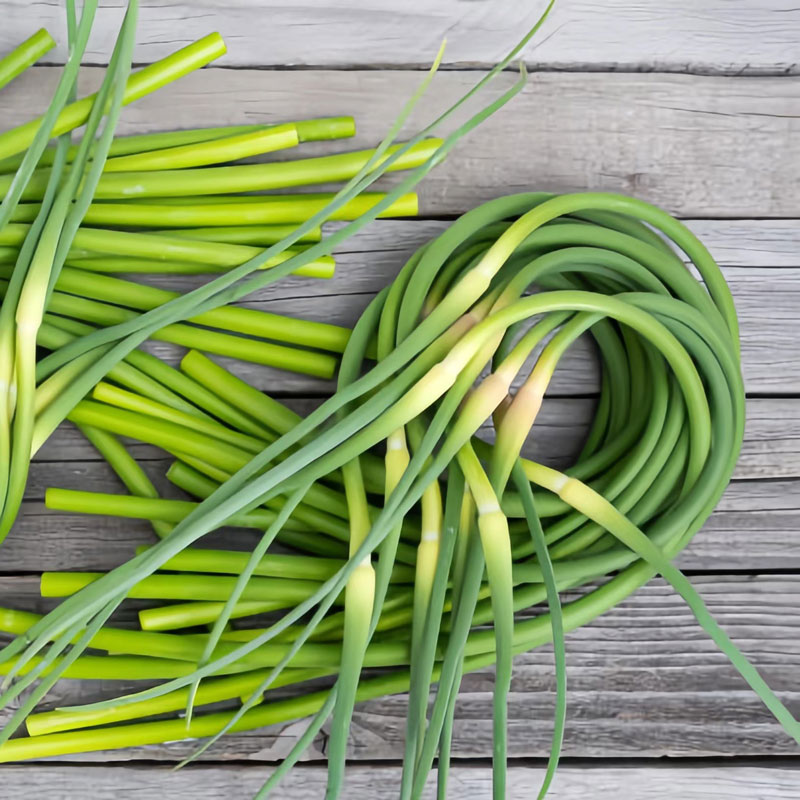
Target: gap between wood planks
532 67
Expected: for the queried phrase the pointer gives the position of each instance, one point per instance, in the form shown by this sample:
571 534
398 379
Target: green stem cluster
55 250
412 543
661 449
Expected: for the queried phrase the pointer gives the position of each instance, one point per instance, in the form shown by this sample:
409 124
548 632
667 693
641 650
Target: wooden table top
690 104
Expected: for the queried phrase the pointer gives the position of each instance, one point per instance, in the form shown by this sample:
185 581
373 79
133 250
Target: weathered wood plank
650 781
699 146
759 259
713 36
644 680
766 301
770 448
753 528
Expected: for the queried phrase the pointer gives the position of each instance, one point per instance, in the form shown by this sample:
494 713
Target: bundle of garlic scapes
449 535
409 544
152 203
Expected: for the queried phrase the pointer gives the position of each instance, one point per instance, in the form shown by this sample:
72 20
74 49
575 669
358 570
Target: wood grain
644 680
748 37
699 146
760 260
753 528
716 781
770 448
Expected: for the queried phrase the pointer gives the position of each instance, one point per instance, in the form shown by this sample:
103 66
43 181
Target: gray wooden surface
709 36
652 782
717 145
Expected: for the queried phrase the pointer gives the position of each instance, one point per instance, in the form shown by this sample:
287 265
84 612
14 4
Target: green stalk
256 404
276 565
150 732
110 668
160 646
120 398
235 179
78 36
256 235
152 508
176 385
424 648
132 265
217 151
141 83
146 375
360 589
25 54
496 545
308 362
261 406
597 508
171 435
212 691
554 605
251 322
312 130
259 490
65 215
194 479
185 587
138 143
160 250
127 469
269 210
461 547
428 557
188 615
